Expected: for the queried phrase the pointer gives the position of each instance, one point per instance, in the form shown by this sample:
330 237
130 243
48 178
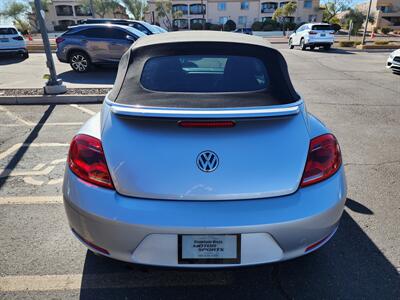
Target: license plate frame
209 260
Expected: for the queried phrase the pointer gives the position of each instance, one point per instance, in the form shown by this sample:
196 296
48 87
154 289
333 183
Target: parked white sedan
393 62
12 42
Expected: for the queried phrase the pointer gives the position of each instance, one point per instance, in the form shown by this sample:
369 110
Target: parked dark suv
85 45
142 26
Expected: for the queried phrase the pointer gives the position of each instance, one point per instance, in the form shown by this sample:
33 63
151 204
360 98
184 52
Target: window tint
8 31
204 74
141 28
104 33
321 27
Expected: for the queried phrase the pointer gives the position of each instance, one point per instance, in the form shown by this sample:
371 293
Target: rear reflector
206 124
320 242
90 244
324 159
86 159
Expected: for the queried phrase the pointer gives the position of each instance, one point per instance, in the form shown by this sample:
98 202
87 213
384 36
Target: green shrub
381 42
385 30
257 26
346 44
230 25
207 26
290 26
196 26
336 27
216 27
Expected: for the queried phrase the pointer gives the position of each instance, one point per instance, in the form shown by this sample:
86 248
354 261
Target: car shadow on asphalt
332 51
10 60
349 266
103 75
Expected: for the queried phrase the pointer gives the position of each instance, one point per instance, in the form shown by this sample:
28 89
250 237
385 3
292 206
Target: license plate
209 249
322 34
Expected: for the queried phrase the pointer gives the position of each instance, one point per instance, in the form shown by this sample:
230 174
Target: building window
195 9
180 24
180 7
244 5
64 10
268 7
242 20
312 18
283 3
223 20
221 5
266 19
385 9
307 3
82 11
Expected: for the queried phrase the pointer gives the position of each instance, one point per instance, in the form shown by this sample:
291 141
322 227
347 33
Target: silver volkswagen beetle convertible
203 155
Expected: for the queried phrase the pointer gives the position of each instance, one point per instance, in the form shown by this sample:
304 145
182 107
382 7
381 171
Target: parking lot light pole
366 22
53 85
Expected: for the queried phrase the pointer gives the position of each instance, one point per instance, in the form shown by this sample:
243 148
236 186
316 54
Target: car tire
327 47
25 55
290 44
80 62
303 45
312 47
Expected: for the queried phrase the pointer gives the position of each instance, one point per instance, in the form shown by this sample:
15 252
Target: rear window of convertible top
204 74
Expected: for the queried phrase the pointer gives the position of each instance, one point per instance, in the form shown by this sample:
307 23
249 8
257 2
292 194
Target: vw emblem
207 161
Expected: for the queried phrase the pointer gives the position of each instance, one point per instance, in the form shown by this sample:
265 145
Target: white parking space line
86 110
19 145
15 117
31 200
104 281
43 124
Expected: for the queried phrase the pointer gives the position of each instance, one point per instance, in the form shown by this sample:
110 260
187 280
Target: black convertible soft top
129 90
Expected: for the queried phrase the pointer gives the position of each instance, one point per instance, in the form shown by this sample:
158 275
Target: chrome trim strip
157 112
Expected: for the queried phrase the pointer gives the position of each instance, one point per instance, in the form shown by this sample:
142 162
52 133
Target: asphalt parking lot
351 92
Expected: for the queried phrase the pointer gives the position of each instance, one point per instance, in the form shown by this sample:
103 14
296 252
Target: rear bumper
318 42
145 231
13 51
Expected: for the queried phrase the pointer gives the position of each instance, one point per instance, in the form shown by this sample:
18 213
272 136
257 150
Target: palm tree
284 12
15 11
163 10
135 7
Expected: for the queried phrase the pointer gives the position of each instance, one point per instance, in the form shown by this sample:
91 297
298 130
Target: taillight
59 40
312 32
324 159
86 159
18 38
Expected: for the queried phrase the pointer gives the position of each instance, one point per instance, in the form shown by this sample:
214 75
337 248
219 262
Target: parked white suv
12 42
312 35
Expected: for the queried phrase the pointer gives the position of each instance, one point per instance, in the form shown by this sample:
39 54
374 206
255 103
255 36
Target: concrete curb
50 99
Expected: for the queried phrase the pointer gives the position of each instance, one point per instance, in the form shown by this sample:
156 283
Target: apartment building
387 13
243 12
63 13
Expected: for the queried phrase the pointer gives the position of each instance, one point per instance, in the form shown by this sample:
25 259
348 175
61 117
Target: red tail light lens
59 40
312 32
324 159
86 159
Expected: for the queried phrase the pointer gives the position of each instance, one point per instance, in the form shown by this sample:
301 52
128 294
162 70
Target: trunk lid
150 156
